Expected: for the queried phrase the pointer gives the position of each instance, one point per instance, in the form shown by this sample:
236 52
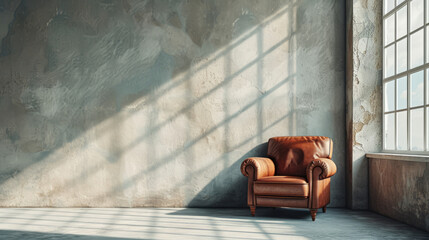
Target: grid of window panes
406 75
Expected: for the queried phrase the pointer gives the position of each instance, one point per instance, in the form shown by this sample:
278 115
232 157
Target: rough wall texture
156 103
400 190
364 94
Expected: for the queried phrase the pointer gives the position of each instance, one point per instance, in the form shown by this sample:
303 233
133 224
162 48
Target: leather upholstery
283 179
327 165
321 193
250 170
296 174
281 202
282 186
256 168
292 155
262 166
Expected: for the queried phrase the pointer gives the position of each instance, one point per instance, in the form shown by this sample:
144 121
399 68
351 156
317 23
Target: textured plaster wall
364 94
399 189
157 103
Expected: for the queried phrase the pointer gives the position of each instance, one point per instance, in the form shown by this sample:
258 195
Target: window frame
407 73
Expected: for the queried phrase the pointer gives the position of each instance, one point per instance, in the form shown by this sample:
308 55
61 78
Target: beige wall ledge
399 157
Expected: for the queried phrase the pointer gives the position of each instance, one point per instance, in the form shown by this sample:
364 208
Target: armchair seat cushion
284 186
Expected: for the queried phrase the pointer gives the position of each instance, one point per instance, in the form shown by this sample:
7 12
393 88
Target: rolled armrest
262 167
327 165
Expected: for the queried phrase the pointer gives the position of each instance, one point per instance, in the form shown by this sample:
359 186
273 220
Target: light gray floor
197 223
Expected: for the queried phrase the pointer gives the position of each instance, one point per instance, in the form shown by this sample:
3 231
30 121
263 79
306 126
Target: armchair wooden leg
252 210
313 214
324 209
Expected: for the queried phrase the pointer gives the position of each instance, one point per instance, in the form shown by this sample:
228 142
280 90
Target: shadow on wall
229 185
151 103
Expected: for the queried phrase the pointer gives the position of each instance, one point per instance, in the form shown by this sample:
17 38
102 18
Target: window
406 75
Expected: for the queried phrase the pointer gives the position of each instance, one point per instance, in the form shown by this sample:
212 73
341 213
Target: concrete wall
364 94
157 103
400 189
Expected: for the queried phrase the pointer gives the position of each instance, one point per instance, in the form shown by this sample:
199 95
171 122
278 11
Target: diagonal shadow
170 157
87 172
151 88
145 87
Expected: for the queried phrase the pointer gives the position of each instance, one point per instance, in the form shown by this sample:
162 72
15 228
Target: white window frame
407 73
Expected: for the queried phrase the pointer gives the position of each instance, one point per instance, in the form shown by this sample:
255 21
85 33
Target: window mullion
424 75
408 77
395 80
383 130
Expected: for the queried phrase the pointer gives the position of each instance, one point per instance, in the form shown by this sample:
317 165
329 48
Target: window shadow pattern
194 223
147 103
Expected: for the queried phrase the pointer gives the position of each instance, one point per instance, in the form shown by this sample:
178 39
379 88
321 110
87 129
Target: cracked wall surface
364 94
156 103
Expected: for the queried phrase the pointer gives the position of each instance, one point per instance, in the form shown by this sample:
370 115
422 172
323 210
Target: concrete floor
194 223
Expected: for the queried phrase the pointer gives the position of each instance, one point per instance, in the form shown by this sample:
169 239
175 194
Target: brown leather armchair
296 174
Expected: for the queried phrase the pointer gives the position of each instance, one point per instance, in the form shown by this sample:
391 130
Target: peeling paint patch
364 92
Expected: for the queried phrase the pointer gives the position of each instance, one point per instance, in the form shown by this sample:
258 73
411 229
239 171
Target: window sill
399 157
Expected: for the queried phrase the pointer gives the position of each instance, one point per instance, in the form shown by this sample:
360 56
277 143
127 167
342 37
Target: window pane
416 47
388 5
416 14
389 29
401 22
399 2
416 89
417 130
401 93
389 61
389 131
427 128
427 86
427 12
401 56
401 123
389 96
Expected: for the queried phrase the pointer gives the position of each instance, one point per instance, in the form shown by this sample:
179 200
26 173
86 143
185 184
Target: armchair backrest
292 155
